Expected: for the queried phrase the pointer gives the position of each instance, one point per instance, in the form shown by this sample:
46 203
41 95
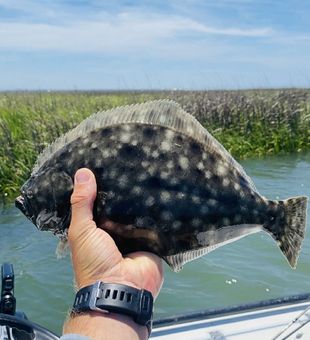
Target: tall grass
253 123
30 121
248 123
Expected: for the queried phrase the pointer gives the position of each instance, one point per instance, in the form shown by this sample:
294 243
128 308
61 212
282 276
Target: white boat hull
256 323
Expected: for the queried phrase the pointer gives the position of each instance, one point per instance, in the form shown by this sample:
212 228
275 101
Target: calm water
248 270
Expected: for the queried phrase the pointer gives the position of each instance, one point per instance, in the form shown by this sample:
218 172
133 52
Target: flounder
171 188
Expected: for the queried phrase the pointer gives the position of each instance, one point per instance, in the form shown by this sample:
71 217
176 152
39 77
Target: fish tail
291 231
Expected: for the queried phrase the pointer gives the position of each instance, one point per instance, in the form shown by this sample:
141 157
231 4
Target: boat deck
263 321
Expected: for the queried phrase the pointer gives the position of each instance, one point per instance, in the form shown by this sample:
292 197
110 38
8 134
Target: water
248 270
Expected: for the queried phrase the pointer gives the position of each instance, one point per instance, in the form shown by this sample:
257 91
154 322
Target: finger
82 200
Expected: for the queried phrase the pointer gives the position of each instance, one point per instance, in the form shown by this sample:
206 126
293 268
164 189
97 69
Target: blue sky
130 44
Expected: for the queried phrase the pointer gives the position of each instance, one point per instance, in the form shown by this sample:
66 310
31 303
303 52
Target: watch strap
116 298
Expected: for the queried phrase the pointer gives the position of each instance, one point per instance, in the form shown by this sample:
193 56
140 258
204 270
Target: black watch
116 298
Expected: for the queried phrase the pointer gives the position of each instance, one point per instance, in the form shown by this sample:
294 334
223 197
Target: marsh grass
254 123
248 123
31 121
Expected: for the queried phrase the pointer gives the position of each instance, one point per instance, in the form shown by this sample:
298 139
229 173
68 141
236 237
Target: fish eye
29 194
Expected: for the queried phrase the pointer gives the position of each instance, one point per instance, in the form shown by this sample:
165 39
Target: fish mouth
20 204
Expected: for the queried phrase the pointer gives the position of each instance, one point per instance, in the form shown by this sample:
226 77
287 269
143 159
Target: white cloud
123 32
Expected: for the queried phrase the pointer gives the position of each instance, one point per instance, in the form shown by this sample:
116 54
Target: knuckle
76 232
77 197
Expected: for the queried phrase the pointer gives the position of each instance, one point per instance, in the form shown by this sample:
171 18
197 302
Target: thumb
82 200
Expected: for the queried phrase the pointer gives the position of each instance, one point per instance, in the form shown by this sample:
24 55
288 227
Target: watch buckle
95 295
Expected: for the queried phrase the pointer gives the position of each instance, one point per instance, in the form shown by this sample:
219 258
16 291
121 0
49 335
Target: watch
117 298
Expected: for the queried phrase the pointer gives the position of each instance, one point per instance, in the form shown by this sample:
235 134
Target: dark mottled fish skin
167 193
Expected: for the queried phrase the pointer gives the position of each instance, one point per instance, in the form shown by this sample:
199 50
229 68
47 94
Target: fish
170 187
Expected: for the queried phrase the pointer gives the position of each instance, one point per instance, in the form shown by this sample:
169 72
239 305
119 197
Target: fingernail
82 176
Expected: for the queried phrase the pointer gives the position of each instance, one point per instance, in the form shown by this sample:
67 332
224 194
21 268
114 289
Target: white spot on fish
151 170
113 173
184 162
204 209
110 194
169 134
139 222
145 164
221 170
211 202
165 196
98 163
180 195
126 127
166 215
155 154
123 181
105 153
226 182
196 199
237 186
208 174
114 153
134 142
125 137
174 181
165 146
136 190
146 150
170 164
94 145
258 200
196 222
200 166
176 225
70 162
81 151
142 177
150 201
164 175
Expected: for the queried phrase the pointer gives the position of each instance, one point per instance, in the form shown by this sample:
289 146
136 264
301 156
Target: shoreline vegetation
249 123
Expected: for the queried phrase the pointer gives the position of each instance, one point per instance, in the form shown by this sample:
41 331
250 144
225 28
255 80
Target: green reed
31 121
253 123
248 123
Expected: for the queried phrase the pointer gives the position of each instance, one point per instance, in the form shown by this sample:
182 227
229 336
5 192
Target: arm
96 257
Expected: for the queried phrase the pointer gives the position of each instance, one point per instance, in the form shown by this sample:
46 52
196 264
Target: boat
275 319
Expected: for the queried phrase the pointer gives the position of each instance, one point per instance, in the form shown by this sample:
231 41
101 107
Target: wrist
117 300
109 279
105 326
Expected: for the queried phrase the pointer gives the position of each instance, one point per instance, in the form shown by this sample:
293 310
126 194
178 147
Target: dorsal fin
166 113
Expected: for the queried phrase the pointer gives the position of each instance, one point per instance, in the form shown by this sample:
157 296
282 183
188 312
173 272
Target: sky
163 44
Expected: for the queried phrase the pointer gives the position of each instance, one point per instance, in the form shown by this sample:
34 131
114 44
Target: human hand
95 255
